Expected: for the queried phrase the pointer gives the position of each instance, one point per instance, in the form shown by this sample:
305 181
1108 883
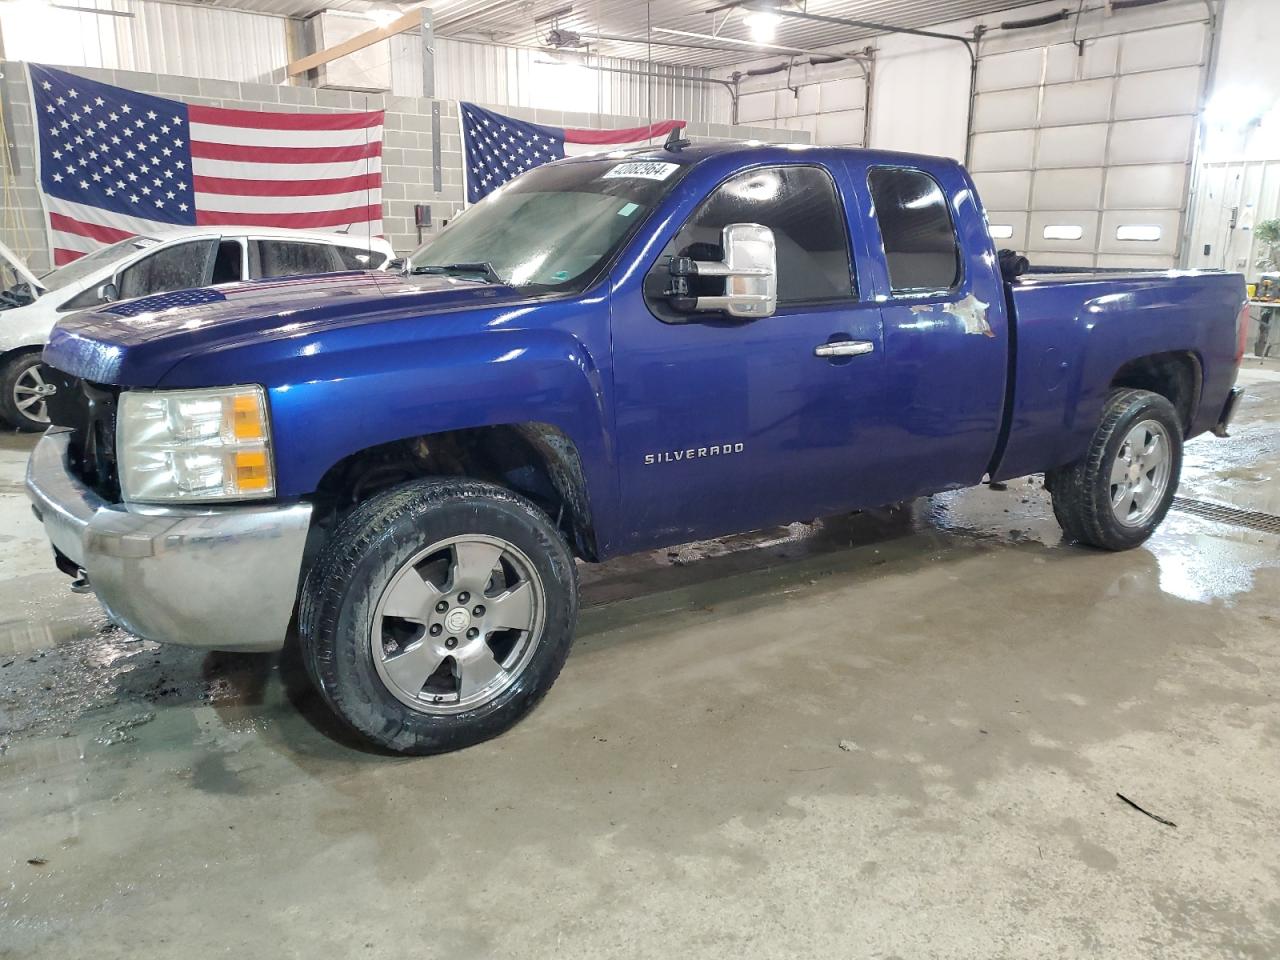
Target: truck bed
1075 332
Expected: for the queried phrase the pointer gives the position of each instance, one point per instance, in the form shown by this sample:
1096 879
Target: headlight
195 445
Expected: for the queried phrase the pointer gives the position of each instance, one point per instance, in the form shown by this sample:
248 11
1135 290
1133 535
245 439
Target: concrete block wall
407 175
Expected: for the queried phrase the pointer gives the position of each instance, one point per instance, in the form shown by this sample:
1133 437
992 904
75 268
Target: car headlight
195 445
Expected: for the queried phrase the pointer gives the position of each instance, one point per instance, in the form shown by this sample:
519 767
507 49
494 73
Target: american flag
497 147
115 163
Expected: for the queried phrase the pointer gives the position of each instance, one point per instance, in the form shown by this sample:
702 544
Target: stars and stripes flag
114 163
497 147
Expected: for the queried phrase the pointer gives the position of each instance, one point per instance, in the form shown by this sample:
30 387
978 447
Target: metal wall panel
1107 152
186 41
554 80
1231 199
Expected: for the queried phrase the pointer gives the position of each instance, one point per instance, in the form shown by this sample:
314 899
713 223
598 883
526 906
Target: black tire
14 368
343 589
1082 491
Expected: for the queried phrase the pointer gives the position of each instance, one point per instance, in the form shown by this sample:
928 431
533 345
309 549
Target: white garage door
828 101
1084 159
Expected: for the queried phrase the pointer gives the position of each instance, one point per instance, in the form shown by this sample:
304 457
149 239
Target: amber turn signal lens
252 471
246 418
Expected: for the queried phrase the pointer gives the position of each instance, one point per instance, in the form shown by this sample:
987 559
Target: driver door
728 424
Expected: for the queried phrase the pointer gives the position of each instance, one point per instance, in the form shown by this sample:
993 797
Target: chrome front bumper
224 578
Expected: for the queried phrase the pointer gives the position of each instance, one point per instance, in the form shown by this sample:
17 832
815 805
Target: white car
139 266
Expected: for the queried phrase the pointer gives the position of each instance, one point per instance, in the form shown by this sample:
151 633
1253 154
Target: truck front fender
385 393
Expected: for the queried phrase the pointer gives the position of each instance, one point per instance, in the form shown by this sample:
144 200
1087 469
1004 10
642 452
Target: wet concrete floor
894 735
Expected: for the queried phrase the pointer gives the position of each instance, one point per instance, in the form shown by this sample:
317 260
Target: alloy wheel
31 393
1140 473
458 624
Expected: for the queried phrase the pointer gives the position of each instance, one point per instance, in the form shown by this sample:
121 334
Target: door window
179 267
800 205
919 238
229 266
291 258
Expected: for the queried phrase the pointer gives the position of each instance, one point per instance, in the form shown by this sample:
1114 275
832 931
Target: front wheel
438 614
24 392
1119 492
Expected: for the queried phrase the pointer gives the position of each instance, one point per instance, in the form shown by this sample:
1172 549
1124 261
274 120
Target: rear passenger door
946 340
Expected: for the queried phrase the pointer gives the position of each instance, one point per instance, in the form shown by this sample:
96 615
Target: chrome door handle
844 348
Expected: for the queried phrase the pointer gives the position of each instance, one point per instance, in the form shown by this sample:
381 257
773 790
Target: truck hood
136 342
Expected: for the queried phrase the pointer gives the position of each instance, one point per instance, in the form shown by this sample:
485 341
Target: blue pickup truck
608 354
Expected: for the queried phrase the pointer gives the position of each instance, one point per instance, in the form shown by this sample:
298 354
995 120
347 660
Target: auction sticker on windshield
643 169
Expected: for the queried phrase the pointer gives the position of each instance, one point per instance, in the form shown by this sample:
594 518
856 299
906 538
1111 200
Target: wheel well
536 460
1175 376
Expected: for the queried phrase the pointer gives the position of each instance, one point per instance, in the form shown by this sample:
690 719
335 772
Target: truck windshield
553 227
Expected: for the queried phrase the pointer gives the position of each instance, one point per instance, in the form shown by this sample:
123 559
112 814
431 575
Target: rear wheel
439 614
24 392
1119 492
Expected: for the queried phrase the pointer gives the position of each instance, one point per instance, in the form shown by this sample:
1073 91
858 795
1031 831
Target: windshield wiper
482 267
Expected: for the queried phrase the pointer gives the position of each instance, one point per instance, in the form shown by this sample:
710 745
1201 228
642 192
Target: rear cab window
921 250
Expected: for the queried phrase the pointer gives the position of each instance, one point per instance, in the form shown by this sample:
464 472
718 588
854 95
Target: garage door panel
1112 131
1164 140
1136 261
1064 62
1063 231
847 93
1143 187
785 104
1000 71
1083 146
1178 46
1006 109
1008 229
1088 101
753 107
1158 94
808 98
1061 259
1004 191
1002 151
1140 232
844 127
1067 189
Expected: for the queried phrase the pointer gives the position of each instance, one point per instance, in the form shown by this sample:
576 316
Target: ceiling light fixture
763 24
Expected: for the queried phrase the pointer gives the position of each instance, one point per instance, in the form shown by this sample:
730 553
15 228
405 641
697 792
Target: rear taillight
1242 333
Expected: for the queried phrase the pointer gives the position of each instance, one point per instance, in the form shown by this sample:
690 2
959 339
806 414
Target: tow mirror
108 292
749 269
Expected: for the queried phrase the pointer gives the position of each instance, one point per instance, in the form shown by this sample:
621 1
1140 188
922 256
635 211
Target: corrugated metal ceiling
528 21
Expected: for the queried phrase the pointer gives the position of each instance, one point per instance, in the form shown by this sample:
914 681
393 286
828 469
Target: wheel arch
1176 375
534 459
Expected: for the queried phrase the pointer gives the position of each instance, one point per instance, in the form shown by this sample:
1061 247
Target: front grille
89 409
